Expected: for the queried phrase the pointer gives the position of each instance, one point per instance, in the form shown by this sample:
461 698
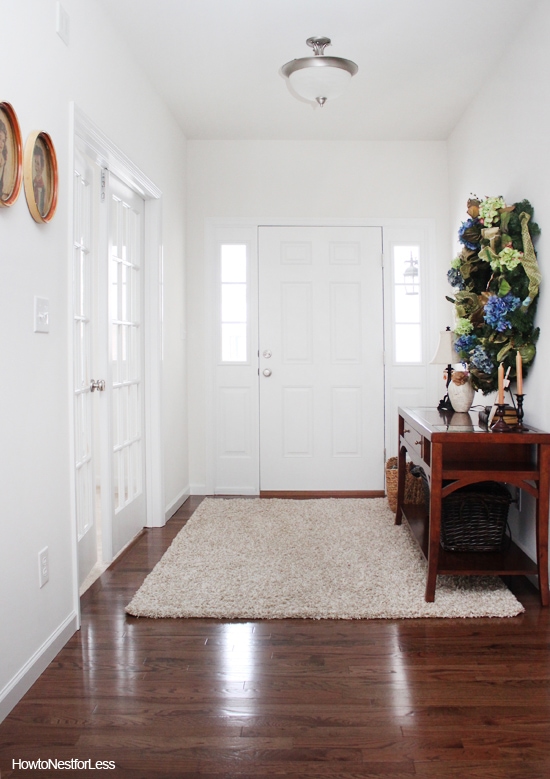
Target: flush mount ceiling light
319 78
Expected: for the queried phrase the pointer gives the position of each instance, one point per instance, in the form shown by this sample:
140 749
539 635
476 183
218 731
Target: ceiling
217 63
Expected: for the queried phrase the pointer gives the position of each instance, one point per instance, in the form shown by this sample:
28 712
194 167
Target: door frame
214 227
106 154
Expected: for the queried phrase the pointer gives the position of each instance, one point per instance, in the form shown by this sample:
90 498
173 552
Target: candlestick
519 373
519 425
500 426
500 399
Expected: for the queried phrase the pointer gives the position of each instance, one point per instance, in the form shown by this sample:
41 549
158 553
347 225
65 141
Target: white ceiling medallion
319 78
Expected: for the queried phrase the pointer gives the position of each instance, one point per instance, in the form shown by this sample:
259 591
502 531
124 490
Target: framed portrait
11 155
40 176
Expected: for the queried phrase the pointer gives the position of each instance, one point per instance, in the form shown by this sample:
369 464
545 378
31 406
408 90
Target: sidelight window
234 303
407 304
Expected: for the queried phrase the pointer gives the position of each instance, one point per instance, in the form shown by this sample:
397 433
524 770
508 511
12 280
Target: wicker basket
414 492
475 518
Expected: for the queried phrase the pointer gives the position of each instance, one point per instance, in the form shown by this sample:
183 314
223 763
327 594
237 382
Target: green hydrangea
508 258
457 262
488 209
463 327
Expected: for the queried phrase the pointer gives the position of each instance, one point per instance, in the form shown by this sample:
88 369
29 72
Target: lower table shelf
512 562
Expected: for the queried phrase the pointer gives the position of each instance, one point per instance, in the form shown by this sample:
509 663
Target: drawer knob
418 442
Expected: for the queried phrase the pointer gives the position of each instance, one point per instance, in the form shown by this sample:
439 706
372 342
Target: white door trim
212 226
101 149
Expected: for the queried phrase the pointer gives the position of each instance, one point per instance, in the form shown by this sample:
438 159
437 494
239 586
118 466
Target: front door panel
321 359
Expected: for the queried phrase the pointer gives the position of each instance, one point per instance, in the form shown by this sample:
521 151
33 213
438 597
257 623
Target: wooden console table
452 448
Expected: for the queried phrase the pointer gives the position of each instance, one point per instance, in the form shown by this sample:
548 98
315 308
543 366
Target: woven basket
475 518
414 492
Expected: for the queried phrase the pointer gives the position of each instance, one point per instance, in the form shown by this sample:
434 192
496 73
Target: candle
500 399
519 373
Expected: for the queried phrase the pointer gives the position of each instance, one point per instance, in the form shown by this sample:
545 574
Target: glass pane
402 256
123 354
233 262
233 302
133 412
126 479
123 411
124 231
114 228
408 343
116 422
234 343
124 292
407 307
135 311
113 289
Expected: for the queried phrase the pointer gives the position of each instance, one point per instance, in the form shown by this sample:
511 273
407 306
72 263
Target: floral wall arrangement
496 280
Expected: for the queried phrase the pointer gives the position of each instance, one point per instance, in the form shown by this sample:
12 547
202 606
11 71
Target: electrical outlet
43 566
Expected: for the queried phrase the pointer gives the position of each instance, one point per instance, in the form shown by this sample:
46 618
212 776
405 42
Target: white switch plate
62 23
41 315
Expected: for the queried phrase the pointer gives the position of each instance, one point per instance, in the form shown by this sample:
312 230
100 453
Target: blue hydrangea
480 360
497 310
454 276
464 227
465 343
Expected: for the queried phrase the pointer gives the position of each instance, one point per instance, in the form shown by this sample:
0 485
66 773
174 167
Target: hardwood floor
441 699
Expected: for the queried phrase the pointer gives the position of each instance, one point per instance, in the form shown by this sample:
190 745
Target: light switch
41 315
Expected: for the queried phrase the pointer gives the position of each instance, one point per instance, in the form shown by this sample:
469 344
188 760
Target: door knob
267 353
97 384
267 372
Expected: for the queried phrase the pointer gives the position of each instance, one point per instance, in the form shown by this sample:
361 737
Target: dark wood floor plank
349 699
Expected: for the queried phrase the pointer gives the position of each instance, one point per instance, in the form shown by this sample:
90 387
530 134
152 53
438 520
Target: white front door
321 371
123 316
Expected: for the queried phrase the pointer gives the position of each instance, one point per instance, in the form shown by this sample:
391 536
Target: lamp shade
445 353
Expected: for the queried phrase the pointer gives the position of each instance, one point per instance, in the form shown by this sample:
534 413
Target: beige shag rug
319 559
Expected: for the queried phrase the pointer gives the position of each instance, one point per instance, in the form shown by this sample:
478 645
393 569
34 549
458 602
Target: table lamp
445 355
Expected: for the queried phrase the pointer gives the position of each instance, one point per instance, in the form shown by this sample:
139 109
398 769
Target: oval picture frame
40 176
11 156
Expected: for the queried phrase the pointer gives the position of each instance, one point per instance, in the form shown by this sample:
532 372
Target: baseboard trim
36 665
305 495
177 503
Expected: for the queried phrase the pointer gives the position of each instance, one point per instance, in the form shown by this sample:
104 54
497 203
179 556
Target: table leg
434 520
401 466
542 522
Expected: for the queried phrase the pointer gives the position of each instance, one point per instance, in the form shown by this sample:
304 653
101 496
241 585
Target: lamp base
445 404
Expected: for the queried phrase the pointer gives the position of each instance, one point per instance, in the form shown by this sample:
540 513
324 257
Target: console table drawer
413 439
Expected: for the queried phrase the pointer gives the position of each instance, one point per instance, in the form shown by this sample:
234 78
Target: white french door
82 275
124 320
321 373
108 393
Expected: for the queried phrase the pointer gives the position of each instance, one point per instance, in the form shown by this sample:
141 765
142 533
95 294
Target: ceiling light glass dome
319 78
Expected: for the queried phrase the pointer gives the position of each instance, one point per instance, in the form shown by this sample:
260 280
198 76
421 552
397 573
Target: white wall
500 147
301 179
42 78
